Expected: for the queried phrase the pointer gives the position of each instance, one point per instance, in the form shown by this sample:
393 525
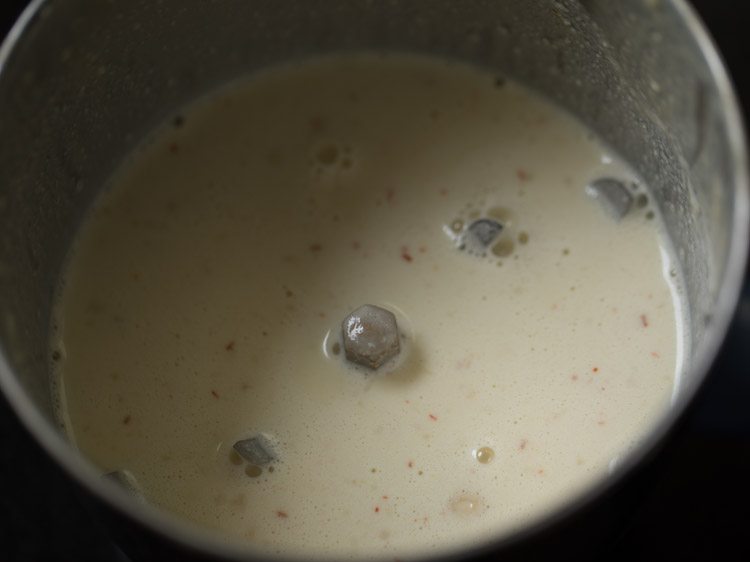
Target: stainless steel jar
81 81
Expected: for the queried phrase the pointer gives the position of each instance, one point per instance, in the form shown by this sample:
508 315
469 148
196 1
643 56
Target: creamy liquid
204 298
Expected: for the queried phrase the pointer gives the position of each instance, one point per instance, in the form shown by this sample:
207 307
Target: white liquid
206 291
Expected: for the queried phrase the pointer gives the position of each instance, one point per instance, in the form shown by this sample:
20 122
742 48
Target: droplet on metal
257 450
370 336
612 196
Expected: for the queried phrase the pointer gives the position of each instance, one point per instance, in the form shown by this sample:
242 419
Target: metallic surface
82 81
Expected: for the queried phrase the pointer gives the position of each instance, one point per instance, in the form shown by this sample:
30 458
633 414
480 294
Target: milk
203 302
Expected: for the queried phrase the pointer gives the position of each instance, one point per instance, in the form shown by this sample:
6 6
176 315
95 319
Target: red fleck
377 509
126 419
540 471
229 346
522 174
422 249
595 370
356 245
407 401
390 195
173 148
314 248
214 394
464 363
322 314
433 417
574 377
385 497
443 192
522 444
405 255
655 354
644 321
410 464
282 514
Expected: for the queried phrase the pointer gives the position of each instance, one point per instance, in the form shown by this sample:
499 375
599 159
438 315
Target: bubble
466 504
503 214
503 248
253 471
457 226
484 455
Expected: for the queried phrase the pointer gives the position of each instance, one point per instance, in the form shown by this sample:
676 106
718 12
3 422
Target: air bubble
503 248
484 455
466 504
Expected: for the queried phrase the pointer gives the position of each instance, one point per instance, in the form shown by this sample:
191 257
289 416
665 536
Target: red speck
422 249
410 464
595 370
314 248
322 314
522 444
433 417
385 497
214 394
390 195
405 255
407 401
229 346
644 321
173 148
574 377
655 354
356 245
522 174
126 419
540 471
282 514
377 509
443 192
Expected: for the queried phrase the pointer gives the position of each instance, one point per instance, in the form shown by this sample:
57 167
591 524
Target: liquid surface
204 298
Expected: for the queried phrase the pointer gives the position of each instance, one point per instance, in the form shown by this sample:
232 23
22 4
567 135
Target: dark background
696 509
